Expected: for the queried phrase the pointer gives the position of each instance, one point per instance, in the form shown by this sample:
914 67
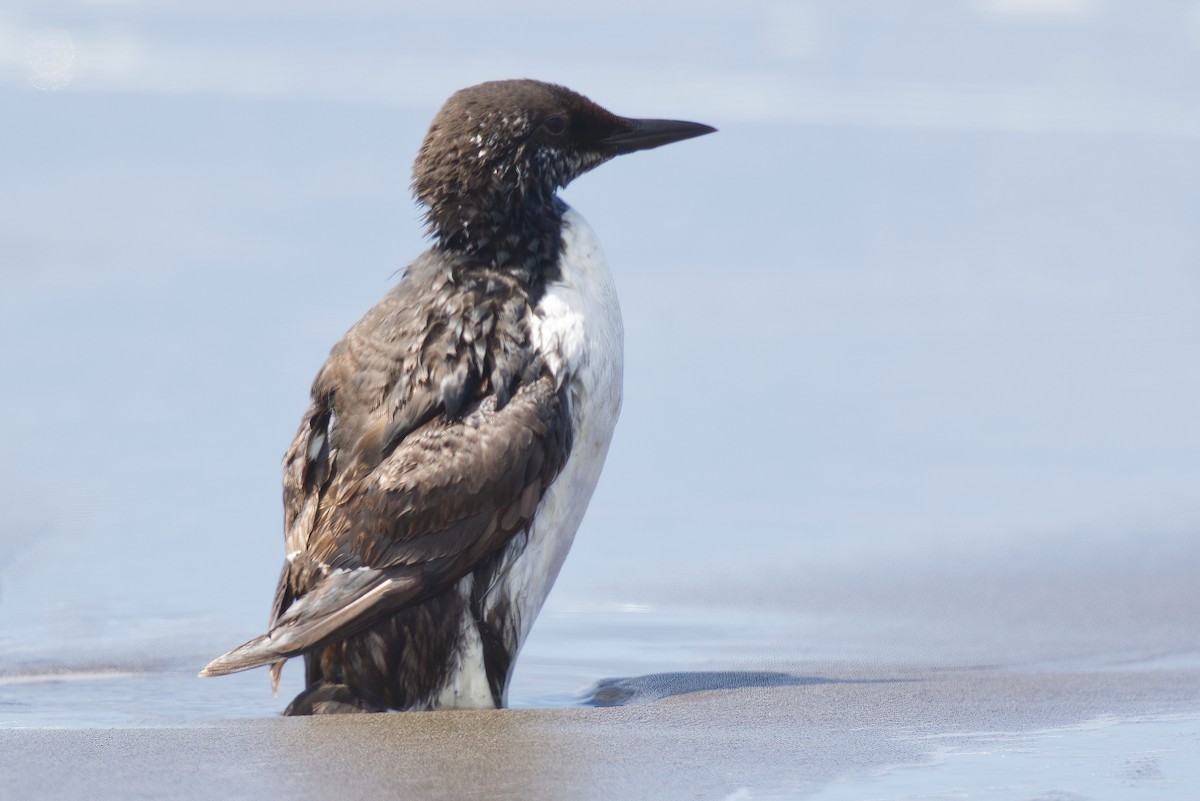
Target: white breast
577 328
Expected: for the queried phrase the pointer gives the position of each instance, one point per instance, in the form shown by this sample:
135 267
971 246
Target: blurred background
911 343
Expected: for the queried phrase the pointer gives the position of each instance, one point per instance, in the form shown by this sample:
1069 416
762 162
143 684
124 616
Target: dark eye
555 125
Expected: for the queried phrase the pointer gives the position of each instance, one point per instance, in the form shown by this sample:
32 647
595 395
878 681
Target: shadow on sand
657 686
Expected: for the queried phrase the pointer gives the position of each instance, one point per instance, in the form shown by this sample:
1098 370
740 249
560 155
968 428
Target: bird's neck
517 233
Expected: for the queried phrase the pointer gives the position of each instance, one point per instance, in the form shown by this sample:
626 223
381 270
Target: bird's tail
245 657
253 654
341 605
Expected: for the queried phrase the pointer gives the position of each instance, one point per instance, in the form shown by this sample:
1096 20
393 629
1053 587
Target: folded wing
369 539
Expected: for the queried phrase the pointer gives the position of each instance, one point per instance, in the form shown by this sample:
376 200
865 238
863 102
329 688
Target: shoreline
692 736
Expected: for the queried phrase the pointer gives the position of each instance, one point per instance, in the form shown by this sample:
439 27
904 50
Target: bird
457 431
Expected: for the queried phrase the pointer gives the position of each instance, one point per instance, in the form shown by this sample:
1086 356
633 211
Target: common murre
457 431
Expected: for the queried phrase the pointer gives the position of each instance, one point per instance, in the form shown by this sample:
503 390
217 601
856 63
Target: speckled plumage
434 484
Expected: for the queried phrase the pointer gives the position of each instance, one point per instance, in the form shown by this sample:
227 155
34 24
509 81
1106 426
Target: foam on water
1105 758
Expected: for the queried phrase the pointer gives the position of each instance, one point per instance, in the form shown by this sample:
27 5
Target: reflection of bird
457 431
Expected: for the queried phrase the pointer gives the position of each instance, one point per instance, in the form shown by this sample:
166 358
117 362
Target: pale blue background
912 343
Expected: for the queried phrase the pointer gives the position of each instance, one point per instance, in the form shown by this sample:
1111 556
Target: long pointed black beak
631 135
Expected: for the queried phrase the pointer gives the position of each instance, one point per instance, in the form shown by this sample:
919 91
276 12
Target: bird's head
499 151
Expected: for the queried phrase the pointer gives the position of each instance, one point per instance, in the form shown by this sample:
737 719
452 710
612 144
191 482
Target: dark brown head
496 153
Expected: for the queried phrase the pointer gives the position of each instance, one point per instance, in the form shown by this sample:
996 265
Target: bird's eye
555 125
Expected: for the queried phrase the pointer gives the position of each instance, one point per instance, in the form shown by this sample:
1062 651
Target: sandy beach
733 741
985 679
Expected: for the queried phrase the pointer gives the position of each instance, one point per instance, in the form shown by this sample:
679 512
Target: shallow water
572 650
627 654
1109 758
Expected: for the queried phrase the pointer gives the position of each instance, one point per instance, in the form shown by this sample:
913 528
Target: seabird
457 431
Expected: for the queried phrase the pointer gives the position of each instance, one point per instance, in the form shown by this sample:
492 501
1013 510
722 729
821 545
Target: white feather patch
577 328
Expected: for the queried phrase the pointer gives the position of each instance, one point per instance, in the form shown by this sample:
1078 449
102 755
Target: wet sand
995 664
730 735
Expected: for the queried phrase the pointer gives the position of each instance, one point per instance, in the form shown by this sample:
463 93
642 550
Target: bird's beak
630 135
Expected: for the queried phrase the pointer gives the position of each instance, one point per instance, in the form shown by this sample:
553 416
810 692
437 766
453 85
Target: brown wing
431 438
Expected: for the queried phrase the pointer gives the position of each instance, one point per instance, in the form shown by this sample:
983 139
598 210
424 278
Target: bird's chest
576 328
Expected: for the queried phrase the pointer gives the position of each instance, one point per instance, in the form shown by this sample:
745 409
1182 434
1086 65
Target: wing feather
431 437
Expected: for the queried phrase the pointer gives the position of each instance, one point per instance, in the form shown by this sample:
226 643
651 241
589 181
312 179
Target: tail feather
253 654
341 605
